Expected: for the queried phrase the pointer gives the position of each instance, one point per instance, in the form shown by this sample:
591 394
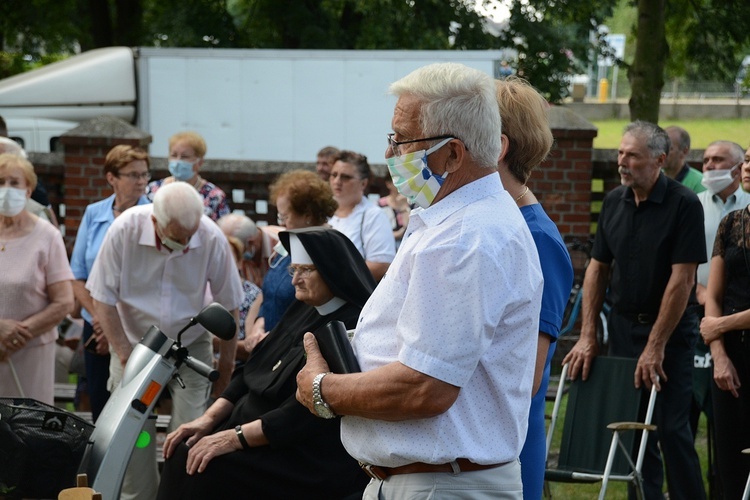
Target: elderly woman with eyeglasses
359 219
127 170
302 200
257 438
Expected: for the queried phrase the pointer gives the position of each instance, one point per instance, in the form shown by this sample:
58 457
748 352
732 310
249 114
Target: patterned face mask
413 178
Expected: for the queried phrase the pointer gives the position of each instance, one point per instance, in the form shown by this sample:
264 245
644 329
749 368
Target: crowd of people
454 284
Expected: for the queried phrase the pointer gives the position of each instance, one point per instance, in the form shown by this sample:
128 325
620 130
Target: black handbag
41 447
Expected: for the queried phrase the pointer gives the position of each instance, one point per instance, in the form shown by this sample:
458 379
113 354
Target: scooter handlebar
202 368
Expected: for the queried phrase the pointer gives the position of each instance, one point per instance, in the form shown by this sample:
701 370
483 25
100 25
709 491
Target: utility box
579 92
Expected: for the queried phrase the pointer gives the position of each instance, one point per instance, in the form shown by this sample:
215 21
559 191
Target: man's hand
314 366
649 370
580 357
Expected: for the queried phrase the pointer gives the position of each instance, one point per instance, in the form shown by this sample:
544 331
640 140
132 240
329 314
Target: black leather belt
461 465
640 318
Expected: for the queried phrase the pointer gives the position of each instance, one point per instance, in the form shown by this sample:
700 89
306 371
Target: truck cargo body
267 105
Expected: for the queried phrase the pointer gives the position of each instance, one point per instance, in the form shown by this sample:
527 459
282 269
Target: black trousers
672 410
97 374
732 419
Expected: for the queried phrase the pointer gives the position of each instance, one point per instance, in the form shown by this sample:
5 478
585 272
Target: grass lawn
615 490
702 132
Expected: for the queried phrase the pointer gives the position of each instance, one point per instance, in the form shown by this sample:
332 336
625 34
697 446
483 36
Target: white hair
178 202
459 101
240 226
10 146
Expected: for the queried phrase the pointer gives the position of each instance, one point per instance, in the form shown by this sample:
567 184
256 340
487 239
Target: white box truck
268 105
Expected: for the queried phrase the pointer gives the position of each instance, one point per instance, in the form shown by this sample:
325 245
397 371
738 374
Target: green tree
646 73
692 38
553 41
360 24
31 28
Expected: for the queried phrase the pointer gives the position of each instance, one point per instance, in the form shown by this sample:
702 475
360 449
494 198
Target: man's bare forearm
594 290
673 304
113 330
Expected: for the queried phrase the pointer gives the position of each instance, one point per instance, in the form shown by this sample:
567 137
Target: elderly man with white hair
158 265
447 341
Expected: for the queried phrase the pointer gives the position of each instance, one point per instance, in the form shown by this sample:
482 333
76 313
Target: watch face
323 410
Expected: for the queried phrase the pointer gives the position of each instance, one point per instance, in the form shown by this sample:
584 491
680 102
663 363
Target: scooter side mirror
217 320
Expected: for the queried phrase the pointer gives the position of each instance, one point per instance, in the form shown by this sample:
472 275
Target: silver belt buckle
370 471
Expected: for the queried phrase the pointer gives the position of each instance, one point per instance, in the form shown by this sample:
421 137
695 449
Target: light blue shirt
96 220
714 209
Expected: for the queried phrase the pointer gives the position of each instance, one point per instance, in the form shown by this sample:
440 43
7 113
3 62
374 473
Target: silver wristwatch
321 407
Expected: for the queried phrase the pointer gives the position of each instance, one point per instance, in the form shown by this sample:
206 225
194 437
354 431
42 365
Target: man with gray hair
650 235
447 342
675 166
159 264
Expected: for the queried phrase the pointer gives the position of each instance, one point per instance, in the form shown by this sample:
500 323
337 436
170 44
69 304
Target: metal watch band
321 407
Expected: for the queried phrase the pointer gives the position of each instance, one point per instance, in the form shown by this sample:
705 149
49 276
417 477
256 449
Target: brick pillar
563 182
84 149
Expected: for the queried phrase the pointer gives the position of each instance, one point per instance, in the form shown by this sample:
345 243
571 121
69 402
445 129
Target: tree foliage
554 39
698 39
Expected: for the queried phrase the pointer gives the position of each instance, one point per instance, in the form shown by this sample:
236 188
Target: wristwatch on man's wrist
321 407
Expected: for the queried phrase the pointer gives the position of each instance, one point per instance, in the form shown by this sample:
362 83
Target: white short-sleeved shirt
370 231
714 209
460 303
152 286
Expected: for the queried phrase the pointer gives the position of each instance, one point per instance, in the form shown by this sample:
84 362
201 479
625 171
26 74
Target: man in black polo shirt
650 235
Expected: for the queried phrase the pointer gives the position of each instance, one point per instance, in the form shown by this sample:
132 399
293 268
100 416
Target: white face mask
718 180
173 245
12 201
413 178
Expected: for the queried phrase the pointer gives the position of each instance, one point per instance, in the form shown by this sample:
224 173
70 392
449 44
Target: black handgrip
202 368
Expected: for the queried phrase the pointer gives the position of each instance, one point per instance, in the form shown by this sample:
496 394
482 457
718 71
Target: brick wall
83 151
75 176
563 182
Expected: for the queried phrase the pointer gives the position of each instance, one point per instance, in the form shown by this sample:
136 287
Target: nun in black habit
280 450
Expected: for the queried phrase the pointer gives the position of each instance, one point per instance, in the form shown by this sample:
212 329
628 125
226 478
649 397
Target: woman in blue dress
527 139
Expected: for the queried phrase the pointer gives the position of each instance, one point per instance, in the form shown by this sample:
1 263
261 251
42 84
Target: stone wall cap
107 126
562 118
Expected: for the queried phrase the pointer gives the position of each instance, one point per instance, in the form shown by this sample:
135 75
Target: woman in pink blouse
35 287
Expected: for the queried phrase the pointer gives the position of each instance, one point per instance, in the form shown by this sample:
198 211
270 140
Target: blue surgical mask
181 170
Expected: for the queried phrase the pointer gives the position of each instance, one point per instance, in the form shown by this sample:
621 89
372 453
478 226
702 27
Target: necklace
525 191
197 183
